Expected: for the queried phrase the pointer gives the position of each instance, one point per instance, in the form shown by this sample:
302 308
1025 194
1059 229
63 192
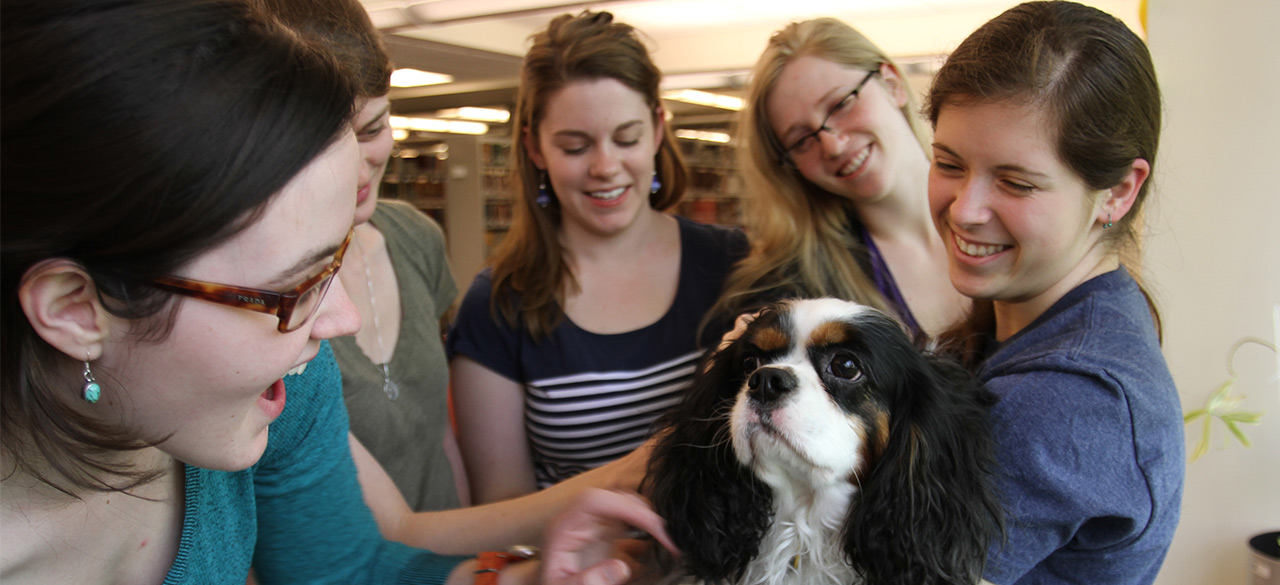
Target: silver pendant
393 391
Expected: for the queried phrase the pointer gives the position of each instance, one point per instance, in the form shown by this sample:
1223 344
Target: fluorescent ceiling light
704 98
497 116
415 78
719 137
705 79
435 125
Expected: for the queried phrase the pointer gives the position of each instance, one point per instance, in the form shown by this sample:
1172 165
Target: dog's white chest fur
803 544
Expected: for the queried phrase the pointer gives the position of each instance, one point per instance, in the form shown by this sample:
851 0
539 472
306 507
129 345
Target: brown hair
1093 76
530 262
183 119
802 235
345 28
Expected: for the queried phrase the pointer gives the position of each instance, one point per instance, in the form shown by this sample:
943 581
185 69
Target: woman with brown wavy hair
583 327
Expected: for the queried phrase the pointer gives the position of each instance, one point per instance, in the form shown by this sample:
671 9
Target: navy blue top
1090 443
591 398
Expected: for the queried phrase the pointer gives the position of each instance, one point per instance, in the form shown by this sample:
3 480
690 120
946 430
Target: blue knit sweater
300 505
1089 435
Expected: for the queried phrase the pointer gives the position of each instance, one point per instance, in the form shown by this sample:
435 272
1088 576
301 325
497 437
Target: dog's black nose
768 385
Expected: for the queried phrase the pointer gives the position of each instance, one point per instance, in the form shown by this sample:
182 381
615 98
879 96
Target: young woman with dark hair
177 201
395 376
1046 125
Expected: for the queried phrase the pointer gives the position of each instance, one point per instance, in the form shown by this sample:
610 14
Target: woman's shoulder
719 235
399 217
481 287
712 243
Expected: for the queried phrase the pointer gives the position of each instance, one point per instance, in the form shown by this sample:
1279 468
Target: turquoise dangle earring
92 391
1108 224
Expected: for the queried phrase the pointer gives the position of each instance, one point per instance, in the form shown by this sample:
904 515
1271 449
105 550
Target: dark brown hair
1092 75
137 134
573 48
345 28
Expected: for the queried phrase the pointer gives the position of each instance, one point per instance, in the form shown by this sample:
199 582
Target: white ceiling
480 42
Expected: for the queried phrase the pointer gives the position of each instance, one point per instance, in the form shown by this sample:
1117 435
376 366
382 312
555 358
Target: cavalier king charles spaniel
821 446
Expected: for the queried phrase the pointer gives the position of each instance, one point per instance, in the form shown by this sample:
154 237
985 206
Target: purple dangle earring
655 185
91 391
544 198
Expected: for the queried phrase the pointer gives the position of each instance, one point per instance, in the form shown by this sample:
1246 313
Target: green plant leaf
1247 418
1220 397
1203 446
1235 430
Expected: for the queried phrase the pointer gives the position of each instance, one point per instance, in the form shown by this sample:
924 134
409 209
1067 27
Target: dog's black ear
716 510
928 509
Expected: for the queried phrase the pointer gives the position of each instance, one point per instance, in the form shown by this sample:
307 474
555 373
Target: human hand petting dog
591 543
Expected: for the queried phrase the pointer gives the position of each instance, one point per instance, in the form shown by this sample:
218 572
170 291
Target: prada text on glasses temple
293 308
835 115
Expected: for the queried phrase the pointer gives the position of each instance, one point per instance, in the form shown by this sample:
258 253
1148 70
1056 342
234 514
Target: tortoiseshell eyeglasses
293 308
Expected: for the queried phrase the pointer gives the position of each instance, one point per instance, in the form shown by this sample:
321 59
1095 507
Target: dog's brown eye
750 364
843 366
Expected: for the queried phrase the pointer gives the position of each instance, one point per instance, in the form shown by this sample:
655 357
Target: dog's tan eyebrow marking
770 339
829 333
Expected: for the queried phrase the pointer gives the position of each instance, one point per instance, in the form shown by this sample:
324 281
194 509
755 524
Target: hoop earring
544 198
1109 223
91 391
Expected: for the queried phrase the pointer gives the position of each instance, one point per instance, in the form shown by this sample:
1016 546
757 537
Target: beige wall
1213 260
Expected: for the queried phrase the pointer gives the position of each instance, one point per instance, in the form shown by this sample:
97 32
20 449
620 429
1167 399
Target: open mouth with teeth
609 195
856 163
978 250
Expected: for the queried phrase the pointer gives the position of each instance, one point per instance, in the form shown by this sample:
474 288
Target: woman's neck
1014 316
122 536
581 245
904 212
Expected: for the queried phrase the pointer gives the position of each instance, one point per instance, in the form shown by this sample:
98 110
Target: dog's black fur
925 510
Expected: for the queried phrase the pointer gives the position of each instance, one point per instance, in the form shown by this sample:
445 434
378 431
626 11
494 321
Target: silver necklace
388 386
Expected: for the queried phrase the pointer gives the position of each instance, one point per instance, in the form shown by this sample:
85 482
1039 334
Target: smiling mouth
609 195
977 250
856 163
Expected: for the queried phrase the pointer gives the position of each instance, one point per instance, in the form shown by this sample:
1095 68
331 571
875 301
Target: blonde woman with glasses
834 159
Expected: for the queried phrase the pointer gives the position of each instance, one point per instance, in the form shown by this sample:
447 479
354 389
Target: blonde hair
803 240
530 262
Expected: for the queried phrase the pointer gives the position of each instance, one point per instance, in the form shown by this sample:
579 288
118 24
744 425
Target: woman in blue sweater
1047 120
178 180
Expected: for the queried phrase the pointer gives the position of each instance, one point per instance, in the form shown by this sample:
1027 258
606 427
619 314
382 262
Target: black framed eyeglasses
834 116
294 308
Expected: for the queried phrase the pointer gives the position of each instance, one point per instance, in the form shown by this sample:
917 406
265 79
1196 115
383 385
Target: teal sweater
300 505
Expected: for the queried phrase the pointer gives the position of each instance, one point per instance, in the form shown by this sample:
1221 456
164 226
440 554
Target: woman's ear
1119 199
532 148
893 81
61 302
659 127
